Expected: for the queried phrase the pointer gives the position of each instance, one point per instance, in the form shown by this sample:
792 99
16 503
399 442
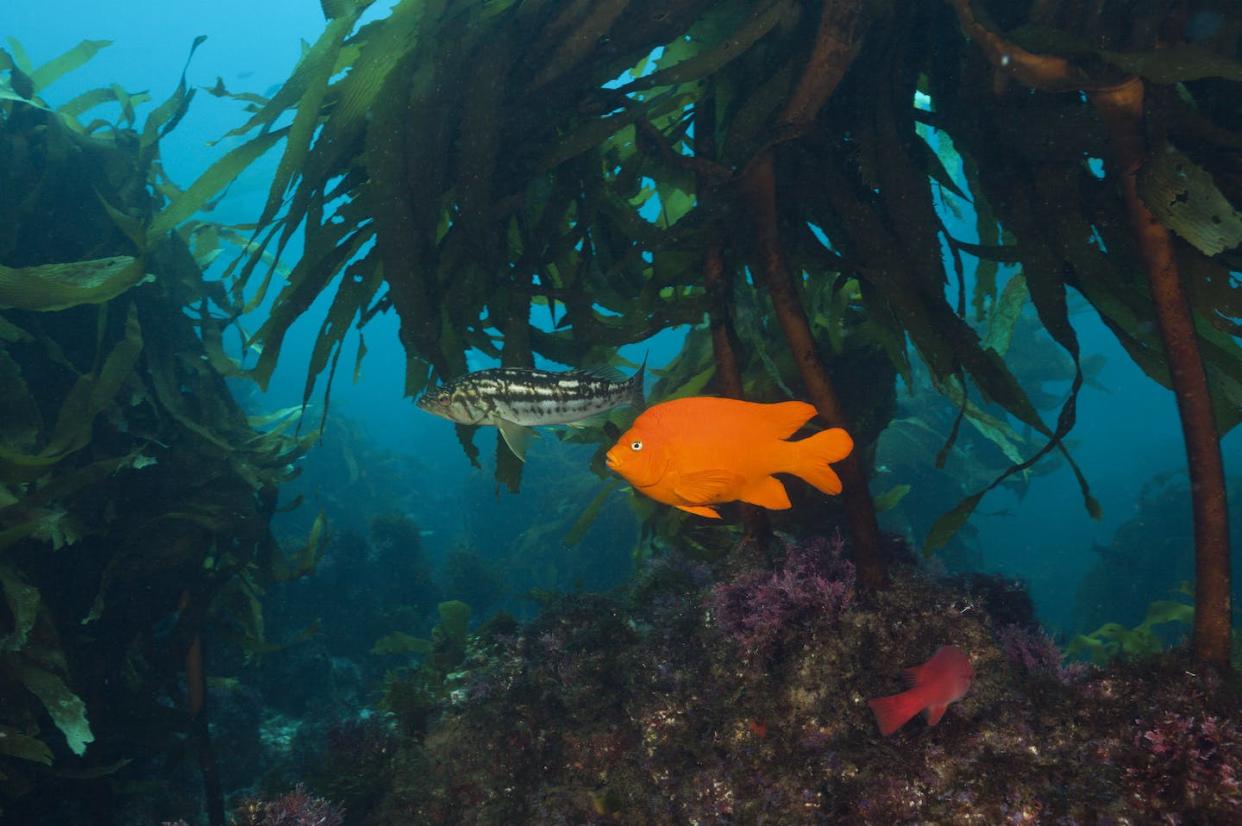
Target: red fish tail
893 712
812 455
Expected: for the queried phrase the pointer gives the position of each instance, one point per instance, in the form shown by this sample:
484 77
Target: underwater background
240 590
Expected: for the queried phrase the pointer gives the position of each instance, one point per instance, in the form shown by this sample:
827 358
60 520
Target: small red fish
943 679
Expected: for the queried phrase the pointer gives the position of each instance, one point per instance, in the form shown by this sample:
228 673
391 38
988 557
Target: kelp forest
899 212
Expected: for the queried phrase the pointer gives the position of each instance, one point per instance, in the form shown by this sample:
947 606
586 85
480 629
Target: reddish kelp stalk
1120 106
196 707
1121 109
719 306
836 45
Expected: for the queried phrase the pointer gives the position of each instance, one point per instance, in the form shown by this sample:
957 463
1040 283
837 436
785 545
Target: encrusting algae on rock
656 709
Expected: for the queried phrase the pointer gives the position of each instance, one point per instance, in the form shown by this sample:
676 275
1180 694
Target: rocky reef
686 700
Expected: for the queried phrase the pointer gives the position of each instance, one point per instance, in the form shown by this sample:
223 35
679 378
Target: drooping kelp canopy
134 494
622 165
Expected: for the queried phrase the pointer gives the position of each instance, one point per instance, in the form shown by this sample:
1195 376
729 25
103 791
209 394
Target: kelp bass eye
636 445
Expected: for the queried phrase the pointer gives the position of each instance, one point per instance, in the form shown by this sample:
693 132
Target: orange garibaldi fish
697 452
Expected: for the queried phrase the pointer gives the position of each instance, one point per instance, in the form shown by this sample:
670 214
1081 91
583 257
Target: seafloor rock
656 711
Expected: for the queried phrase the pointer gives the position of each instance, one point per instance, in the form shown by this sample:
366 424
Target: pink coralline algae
755 609
1189 769
1035 652
295 808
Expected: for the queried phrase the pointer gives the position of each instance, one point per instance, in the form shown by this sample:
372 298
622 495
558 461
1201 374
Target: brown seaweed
495 159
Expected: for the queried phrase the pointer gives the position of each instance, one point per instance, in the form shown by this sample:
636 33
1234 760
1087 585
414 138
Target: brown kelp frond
459 165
